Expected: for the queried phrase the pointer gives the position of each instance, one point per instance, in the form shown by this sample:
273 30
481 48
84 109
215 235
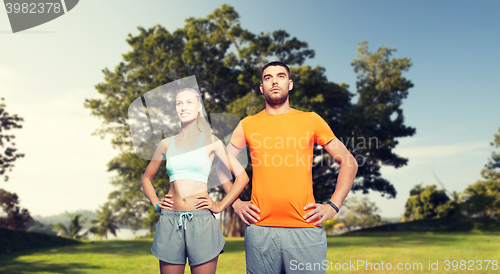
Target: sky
47 72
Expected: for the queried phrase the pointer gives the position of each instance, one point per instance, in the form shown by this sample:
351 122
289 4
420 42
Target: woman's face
187 105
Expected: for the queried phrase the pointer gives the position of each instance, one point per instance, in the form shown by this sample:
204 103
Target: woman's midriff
185 192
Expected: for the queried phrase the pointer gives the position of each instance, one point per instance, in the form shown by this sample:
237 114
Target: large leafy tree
8 153
16 217
360 213
482 199
226 60
429 202
376 120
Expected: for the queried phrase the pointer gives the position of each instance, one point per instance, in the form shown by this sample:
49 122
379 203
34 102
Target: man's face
275 85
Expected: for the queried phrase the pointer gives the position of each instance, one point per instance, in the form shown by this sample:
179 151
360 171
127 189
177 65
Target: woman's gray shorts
187 234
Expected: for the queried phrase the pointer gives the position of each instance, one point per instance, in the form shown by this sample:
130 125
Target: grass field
134 256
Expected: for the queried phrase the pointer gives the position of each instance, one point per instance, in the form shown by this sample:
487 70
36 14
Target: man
284 233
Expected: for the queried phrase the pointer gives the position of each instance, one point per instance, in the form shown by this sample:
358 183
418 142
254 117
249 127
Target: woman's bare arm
241 178
151 170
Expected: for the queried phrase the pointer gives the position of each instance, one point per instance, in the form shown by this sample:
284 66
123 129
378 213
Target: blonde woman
187 227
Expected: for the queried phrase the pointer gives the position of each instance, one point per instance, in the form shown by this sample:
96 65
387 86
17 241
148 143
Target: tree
226 60
104 223
74 228
482 199
330 225
360 213
381 89
16 218
36 226
429 202
10 154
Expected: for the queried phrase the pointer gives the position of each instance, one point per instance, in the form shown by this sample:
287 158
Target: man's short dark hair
275 63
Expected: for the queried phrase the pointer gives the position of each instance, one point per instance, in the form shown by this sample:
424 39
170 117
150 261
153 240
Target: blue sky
47 72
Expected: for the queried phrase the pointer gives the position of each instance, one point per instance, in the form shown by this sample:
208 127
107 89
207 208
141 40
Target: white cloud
64 167
424 154
455 165
8 75
420 154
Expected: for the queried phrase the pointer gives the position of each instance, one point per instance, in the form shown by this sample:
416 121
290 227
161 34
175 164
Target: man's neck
276 110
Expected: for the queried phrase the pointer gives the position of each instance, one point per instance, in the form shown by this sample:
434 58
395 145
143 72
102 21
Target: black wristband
333 205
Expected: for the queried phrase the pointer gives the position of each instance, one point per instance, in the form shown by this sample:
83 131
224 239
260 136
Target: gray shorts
277 250
187 234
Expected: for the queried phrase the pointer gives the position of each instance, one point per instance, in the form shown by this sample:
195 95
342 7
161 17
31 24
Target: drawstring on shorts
188 215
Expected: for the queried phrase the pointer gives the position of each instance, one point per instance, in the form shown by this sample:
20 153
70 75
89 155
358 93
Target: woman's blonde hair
201 122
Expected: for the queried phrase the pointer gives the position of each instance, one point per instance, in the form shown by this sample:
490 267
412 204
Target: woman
187 226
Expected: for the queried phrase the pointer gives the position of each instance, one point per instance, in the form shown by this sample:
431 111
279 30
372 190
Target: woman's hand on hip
207 203
166 202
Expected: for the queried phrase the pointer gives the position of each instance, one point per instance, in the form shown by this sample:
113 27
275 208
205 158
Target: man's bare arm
345 179
347 172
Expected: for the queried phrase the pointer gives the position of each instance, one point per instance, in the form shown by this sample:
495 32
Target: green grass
449 224
414 247
107 257
12 240
390 247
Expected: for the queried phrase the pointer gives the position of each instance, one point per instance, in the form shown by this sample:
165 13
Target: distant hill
458 224
15 240
64 218
390 220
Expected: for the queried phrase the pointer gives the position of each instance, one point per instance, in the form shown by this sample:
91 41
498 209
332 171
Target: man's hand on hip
319 211
246 211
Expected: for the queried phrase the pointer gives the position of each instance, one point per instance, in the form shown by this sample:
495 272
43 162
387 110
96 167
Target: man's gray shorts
187 234
276 250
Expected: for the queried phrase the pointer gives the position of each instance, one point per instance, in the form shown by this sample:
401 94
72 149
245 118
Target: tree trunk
231 224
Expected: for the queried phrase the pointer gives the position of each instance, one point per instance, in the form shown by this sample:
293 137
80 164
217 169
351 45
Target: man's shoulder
300 112
294 113
251 118
309 113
